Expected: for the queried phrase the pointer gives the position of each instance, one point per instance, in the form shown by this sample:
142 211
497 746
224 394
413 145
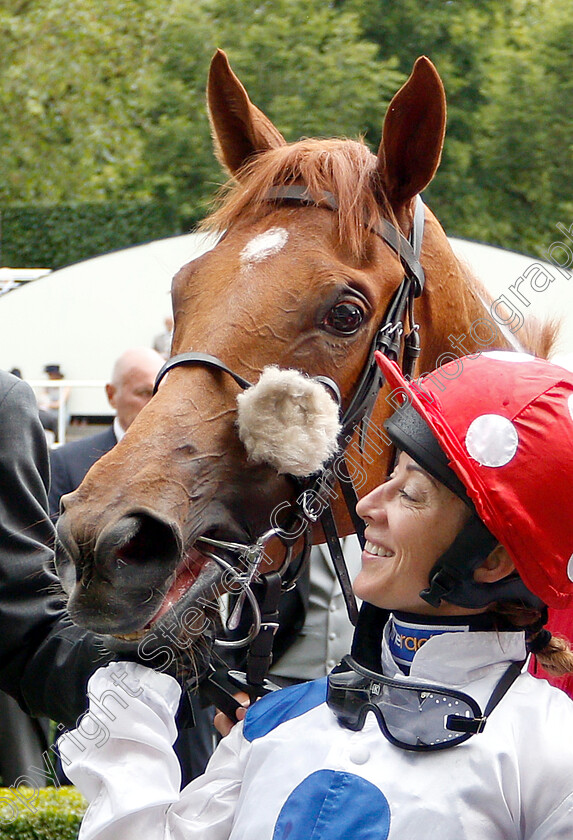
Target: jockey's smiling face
411 520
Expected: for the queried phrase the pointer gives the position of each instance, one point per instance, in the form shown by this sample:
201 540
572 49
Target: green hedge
44 814
55 236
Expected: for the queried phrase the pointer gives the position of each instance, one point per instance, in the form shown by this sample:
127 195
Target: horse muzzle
121 585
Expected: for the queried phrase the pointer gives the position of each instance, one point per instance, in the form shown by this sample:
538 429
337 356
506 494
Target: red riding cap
505 420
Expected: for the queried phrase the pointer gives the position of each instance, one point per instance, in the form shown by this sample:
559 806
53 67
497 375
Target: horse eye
345 318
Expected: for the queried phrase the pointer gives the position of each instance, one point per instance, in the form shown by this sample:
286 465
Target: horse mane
346 168
535 336
540 337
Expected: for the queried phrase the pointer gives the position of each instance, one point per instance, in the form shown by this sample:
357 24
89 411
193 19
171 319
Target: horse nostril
153 540
137 539
66 556
120 585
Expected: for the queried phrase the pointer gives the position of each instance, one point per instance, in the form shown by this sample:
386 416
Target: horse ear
240 130
413 134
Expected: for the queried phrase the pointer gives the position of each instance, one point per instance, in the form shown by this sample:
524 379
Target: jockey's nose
372 507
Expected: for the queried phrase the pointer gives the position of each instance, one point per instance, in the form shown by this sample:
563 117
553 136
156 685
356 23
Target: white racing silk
291 772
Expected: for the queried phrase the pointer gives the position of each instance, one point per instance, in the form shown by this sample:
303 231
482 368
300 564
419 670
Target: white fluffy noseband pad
289 421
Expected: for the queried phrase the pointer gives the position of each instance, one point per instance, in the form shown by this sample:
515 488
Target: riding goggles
413 716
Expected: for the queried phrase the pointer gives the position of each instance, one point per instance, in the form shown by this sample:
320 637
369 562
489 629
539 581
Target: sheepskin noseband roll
289 421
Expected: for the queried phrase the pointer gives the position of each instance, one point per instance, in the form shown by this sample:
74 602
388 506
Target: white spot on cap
264 245
492 440
506 356
570 568
570 404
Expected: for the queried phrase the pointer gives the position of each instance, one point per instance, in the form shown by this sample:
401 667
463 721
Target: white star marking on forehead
264 245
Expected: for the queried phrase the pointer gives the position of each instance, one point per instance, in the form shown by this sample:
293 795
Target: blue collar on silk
408 632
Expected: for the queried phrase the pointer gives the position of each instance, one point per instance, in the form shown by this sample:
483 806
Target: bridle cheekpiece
313 496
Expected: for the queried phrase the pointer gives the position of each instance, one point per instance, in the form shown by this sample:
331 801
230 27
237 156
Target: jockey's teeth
377 550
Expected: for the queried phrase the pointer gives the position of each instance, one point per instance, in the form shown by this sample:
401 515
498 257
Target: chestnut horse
297 285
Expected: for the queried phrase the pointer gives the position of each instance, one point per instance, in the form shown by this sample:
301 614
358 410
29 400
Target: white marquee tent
83 316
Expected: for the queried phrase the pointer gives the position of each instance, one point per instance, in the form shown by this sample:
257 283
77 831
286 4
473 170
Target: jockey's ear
240 129
413 135
496 566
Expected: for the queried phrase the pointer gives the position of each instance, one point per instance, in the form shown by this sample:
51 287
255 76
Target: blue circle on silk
329 805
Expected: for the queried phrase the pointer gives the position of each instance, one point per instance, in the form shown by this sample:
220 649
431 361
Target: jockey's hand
223 724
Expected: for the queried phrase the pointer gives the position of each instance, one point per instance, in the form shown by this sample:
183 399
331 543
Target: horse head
301 285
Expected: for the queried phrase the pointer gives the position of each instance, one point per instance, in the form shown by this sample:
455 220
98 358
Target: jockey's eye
345 318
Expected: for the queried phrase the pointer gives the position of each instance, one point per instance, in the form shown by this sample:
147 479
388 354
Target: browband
406 251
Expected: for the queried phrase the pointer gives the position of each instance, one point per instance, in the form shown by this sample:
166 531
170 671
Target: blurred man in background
130 389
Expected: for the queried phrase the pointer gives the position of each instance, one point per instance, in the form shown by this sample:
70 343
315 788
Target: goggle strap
458 723
504 685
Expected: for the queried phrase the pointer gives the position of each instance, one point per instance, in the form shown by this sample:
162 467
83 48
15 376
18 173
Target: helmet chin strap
452 577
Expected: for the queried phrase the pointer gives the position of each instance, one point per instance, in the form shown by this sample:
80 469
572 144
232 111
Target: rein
313 503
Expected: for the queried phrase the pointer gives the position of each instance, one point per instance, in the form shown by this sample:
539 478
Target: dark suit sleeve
45 661
69 464
60 482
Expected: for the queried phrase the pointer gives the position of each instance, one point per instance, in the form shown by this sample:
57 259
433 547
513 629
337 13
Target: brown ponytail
553 653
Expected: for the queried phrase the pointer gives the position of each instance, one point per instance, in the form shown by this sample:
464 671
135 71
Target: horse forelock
345 168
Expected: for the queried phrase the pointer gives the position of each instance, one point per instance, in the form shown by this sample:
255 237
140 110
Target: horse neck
452 303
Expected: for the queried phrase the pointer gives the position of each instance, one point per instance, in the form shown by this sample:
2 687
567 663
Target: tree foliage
103 100
524 153
304 64
71 73
506 171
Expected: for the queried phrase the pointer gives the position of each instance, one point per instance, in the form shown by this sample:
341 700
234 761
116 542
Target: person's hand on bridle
224 724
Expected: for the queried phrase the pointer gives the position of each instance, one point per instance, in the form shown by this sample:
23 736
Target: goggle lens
411 715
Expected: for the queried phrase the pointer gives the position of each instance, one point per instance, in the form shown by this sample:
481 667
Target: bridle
313 500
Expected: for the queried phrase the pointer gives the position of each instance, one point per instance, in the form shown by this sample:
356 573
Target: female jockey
432 727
